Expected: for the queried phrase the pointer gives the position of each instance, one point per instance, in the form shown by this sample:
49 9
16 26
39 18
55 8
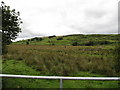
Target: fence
61 78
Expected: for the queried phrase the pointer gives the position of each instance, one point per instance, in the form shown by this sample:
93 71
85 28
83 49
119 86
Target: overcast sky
63 17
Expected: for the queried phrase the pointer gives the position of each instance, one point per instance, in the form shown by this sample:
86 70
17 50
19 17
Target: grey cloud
119 17
98 27
27 33
95 13
68 16
98 21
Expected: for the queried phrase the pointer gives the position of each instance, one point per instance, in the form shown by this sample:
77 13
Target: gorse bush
60 60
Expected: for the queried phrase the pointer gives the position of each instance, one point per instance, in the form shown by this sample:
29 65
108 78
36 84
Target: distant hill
74 40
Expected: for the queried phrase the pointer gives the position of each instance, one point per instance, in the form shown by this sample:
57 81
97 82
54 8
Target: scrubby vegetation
68 56
61 60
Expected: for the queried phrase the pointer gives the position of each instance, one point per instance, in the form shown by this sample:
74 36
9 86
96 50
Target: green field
20 68
71 55
82 40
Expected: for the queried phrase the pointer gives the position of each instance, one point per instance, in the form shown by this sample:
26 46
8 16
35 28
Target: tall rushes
60 60
117 58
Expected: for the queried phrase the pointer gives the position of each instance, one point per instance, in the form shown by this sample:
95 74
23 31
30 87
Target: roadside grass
20 68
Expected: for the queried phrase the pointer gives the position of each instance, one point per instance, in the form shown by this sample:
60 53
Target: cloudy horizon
63 17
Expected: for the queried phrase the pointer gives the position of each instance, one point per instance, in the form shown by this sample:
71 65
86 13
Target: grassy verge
19 67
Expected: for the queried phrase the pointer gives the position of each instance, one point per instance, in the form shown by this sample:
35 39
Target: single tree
10 26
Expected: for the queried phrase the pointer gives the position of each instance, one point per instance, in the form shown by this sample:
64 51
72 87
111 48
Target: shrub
40 39
27 43
53 43
29 40
51 36
60 38
75 44
90 43
36 39
104 42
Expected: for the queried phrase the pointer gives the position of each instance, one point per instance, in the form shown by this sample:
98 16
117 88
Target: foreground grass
19 67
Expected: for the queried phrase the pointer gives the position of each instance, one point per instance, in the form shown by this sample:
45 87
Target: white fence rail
61 78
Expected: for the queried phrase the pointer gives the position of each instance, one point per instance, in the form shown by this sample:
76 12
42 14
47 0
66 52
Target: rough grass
20 67
64 60
94 56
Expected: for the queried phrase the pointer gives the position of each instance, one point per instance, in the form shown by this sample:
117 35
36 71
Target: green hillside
70 55
74 40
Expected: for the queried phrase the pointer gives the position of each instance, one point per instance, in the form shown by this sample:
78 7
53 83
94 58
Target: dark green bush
51 36
90 43
103 42
27 43
40 39
75 44
36 39
93 43
60 38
